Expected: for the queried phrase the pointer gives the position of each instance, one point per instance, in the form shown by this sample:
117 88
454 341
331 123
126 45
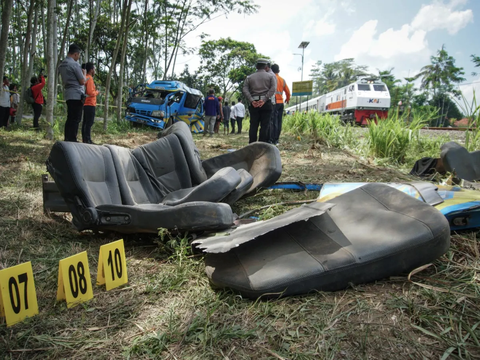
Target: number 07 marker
18 299
112 265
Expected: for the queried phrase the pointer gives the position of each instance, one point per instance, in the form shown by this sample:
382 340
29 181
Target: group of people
264 91
9 101
80 95
216 112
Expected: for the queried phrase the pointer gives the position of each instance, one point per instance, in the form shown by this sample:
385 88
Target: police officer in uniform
258 89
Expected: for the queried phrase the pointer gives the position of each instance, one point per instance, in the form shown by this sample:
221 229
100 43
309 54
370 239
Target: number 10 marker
112 265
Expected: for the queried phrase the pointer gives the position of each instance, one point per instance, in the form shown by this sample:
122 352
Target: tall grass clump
391 138
472 111
324 128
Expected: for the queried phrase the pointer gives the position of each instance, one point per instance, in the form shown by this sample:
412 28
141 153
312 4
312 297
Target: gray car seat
258 164
107 188
369 234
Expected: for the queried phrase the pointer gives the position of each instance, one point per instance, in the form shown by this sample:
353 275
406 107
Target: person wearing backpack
37 84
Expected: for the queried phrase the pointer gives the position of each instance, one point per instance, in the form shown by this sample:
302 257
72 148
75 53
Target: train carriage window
379 88
363 87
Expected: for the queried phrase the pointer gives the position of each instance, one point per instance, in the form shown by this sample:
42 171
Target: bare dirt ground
169 311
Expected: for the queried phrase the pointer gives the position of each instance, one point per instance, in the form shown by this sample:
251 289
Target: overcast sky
382 34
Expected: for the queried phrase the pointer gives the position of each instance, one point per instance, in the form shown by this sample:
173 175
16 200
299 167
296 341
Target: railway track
450 129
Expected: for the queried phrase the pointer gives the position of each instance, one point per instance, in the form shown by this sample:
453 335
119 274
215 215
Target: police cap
263 61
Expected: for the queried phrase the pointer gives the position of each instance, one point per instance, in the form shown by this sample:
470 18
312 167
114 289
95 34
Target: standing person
90 104
258 89
239 115
226 117
14 102
219 116
232 117
211 106
37 84
73 78
5 103
282 87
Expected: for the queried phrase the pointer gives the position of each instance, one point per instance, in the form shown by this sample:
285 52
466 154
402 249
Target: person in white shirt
239 115
232 117
14 102
5 103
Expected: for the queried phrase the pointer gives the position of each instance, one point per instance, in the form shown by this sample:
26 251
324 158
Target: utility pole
302 46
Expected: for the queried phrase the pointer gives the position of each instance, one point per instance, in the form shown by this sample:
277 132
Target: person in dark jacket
212 110
226 118
37 86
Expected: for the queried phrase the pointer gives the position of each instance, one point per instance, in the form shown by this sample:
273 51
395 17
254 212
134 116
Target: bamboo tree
114 62
122 62
26 49
6 13
51 66
94 13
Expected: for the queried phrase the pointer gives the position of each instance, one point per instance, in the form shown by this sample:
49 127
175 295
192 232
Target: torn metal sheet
248 232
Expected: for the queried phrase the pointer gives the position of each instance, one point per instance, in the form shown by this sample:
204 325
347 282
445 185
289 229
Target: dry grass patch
169 311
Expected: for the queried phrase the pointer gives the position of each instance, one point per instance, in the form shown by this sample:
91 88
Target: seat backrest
192 155
84 171
165 160
134 181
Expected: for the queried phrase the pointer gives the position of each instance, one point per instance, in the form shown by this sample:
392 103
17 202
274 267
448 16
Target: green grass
168 310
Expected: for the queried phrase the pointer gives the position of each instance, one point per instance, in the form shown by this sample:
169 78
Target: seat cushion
84 171
214 189
165 161
192 155
371 233
457 159
134 182
260 159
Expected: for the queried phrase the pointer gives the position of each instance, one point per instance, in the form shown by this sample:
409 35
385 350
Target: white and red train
356 103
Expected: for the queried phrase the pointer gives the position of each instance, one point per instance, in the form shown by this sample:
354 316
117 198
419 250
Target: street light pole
302 46
302 62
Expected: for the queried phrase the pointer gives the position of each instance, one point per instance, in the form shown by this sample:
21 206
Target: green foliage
331 76
392 137
226 63
323 128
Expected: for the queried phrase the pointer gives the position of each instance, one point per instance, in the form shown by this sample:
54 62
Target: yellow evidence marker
74 283
18 298
112 265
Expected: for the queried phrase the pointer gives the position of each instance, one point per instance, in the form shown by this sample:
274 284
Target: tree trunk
33 51
6 12
64 39
51 66
113 64
25 81
122 63
93 24
145 44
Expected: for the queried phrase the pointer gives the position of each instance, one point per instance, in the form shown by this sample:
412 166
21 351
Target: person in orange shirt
282 87
37 86
90 104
